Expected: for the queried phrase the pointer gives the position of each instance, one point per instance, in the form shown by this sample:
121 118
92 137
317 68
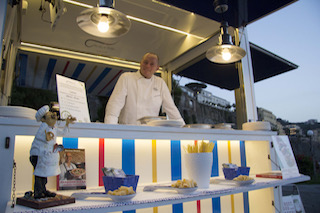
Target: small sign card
285 156
73 169
72 99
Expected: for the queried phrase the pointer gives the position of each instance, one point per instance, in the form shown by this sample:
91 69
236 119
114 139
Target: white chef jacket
48 161
135 96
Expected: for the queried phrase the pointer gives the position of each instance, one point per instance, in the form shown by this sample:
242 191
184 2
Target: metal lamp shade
88 21
215 54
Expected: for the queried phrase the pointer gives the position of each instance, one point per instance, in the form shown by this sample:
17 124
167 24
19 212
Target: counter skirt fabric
135 97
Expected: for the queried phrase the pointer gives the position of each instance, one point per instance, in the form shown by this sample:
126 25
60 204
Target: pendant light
225 52
104 21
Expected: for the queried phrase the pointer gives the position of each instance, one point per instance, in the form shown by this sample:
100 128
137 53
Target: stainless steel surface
145 34
214 54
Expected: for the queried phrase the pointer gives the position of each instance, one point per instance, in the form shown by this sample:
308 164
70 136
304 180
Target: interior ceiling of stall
197 18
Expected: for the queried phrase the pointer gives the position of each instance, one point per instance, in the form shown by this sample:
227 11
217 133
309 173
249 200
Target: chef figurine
44 155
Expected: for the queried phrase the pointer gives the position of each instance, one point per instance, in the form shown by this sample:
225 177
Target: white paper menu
72 99
285 156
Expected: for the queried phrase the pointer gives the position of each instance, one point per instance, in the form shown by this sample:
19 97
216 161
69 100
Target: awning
265 65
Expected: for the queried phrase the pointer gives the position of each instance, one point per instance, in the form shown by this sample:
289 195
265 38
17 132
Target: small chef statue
44 155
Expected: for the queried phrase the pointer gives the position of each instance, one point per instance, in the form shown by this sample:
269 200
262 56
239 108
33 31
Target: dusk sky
292 33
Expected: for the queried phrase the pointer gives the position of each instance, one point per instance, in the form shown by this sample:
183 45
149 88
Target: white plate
17 112
199 126
186 190
120 198
179 190
223 126
244 183
171 123
147 119
115 198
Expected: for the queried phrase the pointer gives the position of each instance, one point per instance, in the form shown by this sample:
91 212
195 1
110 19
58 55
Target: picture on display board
73 170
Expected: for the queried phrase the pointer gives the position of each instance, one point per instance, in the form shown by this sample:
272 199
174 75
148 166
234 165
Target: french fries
203 147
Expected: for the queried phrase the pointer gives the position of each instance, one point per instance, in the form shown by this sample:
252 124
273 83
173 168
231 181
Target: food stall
155 153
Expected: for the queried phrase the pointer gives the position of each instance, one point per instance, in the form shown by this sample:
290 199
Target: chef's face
51 118
149 65
68 157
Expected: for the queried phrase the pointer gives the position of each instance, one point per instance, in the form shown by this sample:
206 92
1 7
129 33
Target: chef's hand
49 135
70 120
55 147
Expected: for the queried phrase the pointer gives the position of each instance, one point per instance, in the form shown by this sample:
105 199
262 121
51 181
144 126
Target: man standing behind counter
139 94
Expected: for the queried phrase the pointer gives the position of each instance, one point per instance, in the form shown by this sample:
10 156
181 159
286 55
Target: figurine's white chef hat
41 112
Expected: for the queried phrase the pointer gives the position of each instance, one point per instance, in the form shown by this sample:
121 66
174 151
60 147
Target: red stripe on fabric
101 160
198 206
65 67
109 82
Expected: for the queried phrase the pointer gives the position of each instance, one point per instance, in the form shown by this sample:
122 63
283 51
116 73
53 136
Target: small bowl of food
123 193
113 183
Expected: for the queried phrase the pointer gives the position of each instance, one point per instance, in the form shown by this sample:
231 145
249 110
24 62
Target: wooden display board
58 200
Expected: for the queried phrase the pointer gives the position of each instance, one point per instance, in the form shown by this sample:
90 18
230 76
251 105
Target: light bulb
103 25
226 55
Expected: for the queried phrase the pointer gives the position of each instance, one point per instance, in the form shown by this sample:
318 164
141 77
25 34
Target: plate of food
244 183
77 172
181 186
243 180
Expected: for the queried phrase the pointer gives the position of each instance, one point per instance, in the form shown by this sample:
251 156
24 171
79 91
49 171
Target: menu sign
72 99
285 156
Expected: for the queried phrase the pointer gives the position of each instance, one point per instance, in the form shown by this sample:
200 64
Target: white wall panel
143 160
163 160
113 152
91 146
24 170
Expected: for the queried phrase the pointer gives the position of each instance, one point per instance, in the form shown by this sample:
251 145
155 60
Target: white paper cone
199 166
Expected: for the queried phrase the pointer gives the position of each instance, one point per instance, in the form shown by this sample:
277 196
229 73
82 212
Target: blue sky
292 33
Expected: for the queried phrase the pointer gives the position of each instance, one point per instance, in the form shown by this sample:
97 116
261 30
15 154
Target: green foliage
30 97
176 91
305 164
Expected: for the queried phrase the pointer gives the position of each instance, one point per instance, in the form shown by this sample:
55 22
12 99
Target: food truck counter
156 154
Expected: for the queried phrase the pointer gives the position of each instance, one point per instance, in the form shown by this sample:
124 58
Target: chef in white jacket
139 94
44 155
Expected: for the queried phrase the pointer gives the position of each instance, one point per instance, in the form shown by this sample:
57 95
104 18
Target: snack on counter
122 190
229 165
198 148
184 184
112 172
243 178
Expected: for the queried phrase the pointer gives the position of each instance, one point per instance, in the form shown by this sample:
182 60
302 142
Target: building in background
266 115
199 106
